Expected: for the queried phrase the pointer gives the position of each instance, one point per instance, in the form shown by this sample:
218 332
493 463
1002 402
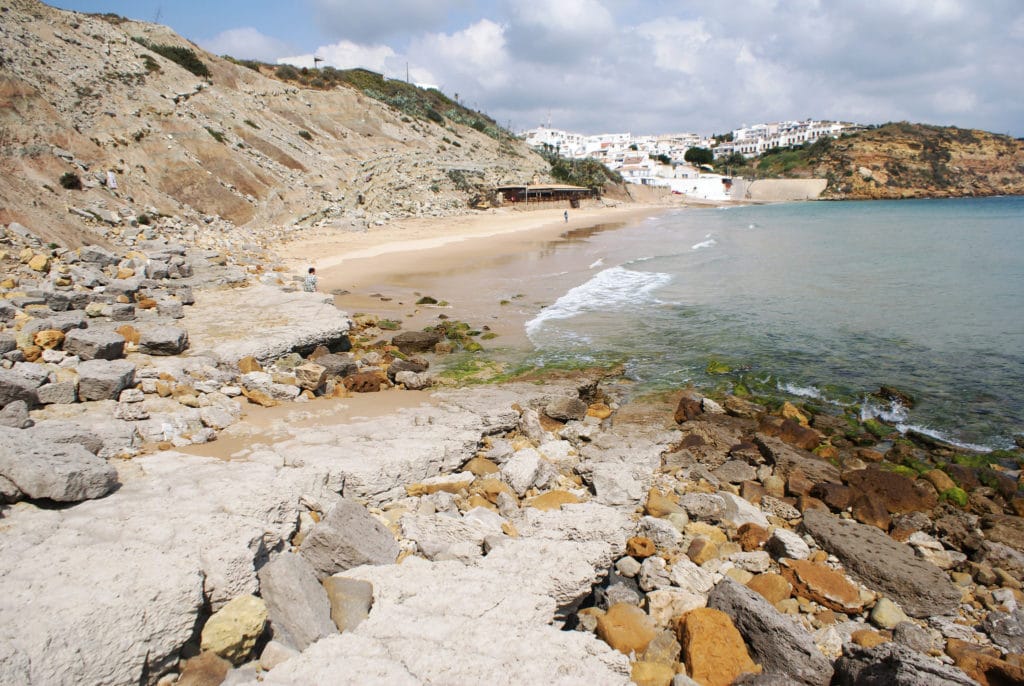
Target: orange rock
790 411
713 649
660 505
552 500
260 398
509 529
772 586
652 674
701 550
869 455
640 547
492 488
599 410
481 466
125 272
626 628
868 638
751 536
871 511
249 364
49 339
823 585
146 304
420 489
129 333
984 664
477 500
32 353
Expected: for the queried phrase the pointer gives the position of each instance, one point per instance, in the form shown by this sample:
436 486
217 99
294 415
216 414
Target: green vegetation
877 428
151 64
389 325
699 156
426 300
955 495
413 101
588 173
718 367
217 135
71 181
184 57
250 122
305 134
977 461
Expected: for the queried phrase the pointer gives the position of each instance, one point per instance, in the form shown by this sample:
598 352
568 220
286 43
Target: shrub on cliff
184 57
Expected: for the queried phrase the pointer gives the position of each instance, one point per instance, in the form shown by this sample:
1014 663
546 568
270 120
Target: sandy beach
460 261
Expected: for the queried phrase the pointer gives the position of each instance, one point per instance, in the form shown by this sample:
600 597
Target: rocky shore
548 530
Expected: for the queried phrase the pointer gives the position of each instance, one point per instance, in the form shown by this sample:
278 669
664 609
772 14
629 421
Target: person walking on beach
566 214
309 285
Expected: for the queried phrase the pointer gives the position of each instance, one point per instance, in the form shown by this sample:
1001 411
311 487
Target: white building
751 141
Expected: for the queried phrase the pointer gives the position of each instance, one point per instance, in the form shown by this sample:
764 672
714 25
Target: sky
646 66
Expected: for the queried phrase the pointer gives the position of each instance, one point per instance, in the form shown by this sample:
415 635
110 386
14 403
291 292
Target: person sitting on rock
309 285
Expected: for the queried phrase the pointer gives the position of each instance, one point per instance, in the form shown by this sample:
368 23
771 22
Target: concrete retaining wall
778 190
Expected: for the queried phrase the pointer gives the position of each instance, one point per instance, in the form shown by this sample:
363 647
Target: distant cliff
904 160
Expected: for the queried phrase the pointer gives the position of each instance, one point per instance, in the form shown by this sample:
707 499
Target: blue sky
647 66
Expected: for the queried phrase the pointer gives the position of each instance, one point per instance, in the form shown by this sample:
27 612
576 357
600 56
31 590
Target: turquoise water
823 300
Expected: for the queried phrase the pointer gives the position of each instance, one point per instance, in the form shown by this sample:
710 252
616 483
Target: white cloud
475 55
347 55
677 45
246 43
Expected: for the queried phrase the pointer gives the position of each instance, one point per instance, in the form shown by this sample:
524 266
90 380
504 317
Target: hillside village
660 160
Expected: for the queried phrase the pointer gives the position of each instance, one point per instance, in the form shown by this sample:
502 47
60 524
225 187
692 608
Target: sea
824 302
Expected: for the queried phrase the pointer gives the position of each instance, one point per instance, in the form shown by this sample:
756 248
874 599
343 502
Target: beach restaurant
547 194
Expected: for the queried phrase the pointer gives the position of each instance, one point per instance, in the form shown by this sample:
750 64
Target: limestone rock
232 631
884 565
894 665
351 600
566 408
297 604
887 614
104 379
17 386
778 643
347 537
15 415
94 344
163 340
54 471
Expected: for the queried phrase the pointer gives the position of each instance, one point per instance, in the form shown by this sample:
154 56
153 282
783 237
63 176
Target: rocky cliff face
80 96
916 161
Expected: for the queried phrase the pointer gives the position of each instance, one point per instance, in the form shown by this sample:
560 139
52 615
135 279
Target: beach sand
472 263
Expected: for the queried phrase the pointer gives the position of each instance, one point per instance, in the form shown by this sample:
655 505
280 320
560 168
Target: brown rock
869 455
249 364
984 664
867 510
808 502
481 466
599 410
836 496
419 490
553 500
713 649
660 505
652 674
701 550
772 586
689 407
868 638
752 492
751 536
897 493
626 628
640 547
477 500
32 353
823 585
798 484
206 669
49 339
790 432
146 304
364 382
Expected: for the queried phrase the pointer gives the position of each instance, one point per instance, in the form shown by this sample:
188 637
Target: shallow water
825 300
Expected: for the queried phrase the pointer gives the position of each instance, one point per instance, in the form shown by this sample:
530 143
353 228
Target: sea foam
610 289
708 243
